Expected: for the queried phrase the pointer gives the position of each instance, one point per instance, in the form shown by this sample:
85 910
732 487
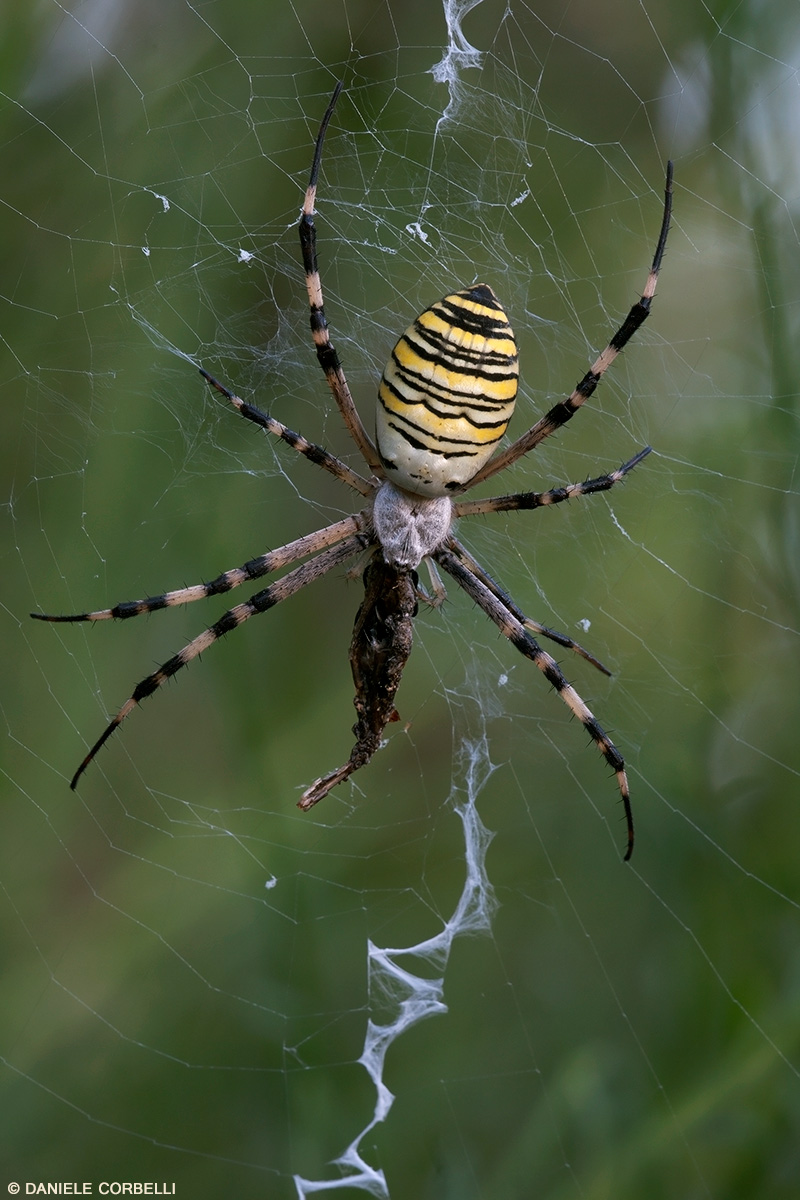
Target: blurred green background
185 955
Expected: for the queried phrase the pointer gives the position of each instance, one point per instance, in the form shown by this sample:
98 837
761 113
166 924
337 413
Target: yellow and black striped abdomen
447 393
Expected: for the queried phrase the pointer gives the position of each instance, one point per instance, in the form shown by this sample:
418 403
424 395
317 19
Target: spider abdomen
447 393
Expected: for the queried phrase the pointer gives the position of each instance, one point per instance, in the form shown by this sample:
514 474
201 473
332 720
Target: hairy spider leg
540 630
560 413
265 564
326 351
555 495
320 458
516 633
280 590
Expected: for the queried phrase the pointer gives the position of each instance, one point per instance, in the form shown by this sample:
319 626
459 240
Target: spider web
443 982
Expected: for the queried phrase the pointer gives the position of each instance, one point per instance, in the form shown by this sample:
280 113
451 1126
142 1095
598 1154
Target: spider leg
232 619
560 413
541 630
436 597
520 500
512 628
321 458
265 564
326 352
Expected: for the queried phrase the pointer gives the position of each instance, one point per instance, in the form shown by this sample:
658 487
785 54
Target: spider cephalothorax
444 402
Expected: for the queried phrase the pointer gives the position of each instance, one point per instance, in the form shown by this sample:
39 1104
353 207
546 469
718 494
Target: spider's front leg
382 639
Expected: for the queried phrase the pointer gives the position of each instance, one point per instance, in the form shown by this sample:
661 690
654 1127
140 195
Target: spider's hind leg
382 639
504 616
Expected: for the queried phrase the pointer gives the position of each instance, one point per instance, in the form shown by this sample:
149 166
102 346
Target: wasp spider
444 402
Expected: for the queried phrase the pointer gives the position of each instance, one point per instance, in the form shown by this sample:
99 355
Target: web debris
415 997
459 54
